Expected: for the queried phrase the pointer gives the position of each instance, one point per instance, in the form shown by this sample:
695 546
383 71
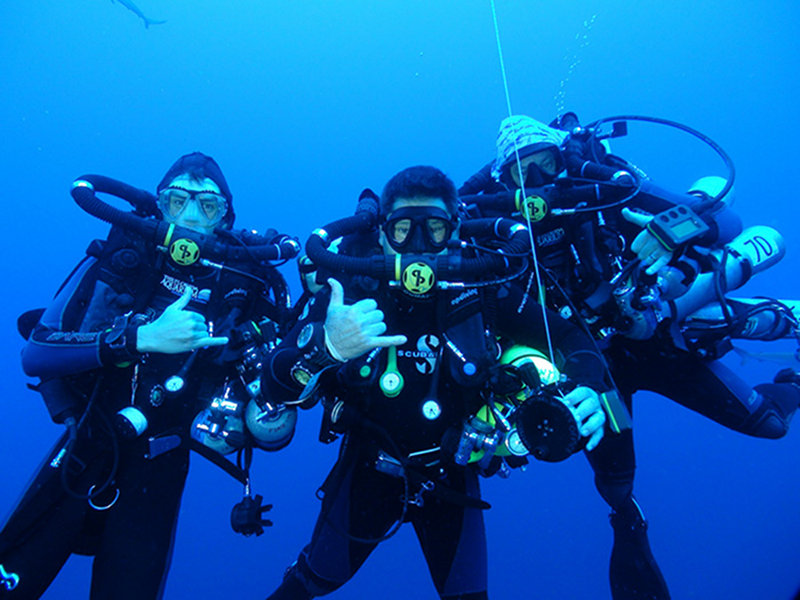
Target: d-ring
8 580
107 506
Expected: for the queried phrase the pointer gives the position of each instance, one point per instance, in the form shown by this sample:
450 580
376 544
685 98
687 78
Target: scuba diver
152 347
399 344
630 262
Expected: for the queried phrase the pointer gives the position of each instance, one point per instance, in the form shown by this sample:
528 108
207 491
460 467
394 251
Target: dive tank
522 357
755 250
763 318
710 187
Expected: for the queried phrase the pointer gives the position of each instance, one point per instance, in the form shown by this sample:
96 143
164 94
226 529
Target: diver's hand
176 330
648 249
353 329
585 405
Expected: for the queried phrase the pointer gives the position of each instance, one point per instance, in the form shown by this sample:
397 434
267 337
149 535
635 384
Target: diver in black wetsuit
402 400
578 255
128 359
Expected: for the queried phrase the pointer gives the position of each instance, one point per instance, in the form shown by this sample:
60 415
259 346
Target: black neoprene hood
199 165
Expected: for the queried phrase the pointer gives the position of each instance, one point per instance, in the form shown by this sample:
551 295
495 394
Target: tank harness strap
237 473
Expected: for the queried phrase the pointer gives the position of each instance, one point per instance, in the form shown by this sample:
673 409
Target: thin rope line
526 213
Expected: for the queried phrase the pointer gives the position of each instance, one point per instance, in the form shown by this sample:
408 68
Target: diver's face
196 205
545 160
419 225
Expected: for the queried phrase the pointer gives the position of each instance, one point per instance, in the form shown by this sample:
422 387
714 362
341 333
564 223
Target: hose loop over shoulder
145 221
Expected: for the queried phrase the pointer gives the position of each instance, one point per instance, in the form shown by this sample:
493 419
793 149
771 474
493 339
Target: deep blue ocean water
305 103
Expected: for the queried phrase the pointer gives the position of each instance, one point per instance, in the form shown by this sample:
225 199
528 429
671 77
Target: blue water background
304 104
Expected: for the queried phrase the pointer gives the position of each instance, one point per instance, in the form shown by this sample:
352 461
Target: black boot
633 571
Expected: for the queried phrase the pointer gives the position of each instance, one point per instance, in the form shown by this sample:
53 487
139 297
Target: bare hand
648 249
177 330
585 405
353 329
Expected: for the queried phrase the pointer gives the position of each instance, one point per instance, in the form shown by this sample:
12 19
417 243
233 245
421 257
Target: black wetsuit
84 346
577 253
363 495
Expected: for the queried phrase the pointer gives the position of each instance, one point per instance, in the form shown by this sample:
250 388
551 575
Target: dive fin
633 572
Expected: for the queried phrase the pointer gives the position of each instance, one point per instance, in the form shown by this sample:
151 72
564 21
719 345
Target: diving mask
538 166
418 229
173 201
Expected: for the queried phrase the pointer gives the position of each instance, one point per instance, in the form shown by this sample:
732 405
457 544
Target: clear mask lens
174 201
420 232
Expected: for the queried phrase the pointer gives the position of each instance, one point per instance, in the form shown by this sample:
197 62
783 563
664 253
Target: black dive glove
247 516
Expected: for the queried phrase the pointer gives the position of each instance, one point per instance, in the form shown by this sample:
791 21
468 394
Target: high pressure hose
448 267
140 221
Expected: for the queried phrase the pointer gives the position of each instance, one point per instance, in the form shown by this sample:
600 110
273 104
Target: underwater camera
524 414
